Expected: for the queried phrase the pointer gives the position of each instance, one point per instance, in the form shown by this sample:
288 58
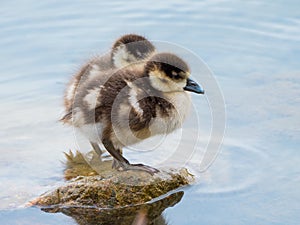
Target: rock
112 194
114 190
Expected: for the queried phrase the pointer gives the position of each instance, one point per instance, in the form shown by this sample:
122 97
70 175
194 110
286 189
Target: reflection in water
89 164
148 213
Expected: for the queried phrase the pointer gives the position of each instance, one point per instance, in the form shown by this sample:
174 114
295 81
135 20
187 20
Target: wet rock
95 192
114 190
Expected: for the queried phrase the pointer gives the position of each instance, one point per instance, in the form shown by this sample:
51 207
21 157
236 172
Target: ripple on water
237 169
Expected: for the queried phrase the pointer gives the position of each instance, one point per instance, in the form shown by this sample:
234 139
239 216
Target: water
252 47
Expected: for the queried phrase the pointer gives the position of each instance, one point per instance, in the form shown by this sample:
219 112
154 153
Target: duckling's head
169 73
129 49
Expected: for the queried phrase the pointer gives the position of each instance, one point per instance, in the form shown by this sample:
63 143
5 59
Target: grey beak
193 87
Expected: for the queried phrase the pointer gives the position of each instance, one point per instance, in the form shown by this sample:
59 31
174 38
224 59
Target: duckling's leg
122 163
97 149
115 163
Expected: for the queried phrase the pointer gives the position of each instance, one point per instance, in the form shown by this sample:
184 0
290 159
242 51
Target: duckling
135 103
129 48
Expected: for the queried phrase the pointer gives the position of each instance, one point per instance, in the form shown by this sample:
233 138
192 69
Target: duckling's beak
193 87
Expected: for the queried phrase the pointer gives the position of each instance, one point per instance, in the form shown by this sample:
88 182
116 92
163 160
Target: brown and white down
127 49
134 103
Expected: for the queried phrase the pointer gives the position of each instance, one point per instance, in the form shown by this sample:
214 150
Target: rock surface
114 190
111 194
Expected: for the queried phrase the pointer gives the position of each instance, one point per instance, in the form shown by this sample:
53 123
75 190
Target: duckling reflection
78 164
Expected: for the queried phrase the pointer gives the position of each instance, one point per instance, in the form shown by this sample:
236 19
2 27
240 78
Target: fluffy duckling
135 103
126 50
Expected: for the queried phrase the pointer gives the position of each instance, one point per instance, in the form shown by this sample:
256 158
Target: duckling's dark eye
176 75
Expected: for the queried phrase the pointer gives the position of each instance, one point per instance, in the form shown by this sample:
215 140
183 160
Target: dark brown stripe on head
137 45
173 66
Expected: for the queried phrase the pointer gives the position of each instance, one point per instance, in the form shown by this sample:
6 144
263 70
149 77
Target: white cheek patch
160 82
122 57
118 56
92 97
181 84
177 86
157 81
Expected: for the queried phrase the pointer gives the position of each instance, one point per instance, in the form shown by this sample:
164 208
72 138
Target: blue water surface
253 50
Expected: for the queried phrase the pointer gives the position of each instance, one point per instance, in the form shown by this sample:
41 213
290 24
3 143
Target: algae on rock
112 194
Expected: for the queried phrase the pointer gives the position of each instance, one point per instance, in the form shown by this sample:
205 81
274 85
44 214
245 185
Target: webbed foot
123 166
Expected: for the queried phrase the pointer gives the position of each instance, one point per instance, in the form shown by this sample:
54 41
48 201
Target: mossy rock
97 191
114 190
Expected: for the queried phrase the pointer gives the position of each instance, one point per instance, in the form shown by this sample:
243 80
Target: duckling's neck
175 116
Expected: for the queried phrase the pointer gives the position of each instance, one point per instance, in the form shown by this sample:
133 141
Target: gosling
128 49
136 102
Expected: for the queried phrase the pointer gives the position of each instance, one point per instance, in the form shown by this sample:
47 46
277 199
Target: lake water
253 50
